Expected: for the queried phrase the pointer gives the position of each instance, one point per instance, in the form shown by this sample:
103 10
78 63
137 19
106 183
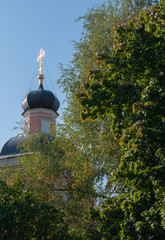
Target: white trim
13 155
44 110
35 115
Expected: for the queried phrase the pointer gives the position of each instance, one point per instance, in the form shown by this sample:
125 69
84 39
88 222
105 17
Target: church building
39 111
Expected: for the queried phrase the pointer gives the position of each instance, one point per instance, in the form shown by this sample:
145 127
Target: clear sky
26 26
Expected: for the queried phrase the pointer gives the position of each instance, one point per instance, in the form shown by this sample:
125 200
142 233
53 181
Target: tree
95 138
130 86
87 150
97 38
100 147
59 172
23 216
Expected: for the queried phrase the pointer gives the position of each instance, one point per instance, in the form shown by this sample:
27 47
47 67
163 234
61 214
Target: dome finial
39 59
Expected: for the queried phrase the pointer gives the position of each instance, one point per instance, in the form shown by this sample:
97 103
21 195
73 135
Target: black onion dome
12 147
40 98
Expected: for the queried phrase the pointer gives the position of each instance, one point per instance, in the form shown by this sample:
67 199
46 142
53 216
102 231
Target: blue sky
26 26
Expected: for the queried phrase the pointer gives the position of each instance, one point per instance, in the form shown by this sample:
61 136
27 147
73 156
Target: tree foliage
79 162
63 172
97 38
23 216
130 86
99 147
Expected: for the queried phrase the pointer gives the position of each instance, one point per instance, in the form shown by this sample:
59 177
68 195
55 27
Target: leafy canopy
130 86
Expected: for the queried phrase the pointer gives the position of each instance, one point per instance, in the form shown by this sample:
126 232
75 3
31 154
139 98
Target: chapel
39 111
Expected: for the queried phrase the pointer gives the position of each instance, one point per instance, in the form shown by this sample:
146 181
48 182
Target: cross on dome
39 59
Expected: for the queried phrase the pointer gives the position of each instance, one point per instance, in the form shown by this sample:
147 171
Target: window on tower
27 127
45 125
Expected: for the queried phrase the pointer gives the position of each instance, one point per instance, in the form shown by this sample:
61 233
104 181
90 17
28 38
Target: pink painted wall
34 121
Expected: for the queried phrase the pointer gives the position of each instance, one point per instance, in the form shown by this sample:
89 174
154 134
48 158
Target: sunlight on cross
39 59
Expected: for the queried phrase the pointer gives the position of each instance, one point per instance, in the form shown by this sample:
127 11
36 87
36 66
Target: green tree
100 148
130 86
87 150
95 138
23 216
97 38
61 172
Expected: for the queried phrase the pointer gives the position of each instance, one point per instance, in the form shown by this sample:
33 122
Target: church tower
40 107
40 112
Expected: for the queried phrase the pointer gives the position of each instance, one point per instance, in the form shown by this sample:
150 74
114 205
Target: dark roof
40 98
11 147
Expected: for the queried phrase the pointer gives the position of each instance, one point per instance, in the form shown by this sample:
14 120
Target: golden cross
39 59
